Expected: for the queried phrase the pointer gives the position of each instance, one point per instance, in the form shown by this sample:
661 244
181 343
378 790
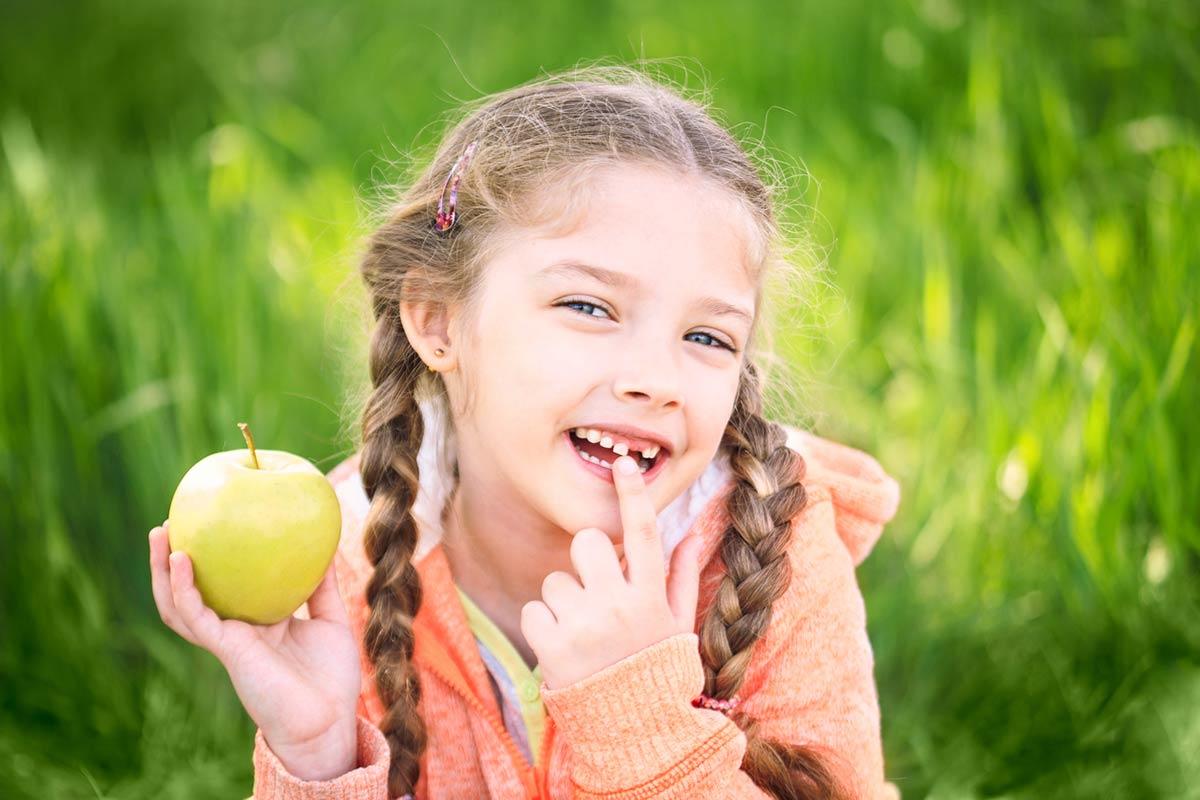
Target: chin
607 521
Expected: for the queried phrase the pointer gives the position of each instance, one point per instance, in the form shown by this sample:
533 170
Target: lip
605 473
630 432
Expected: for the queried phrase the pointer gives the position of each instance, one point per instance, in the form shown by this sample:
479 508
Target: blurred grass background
1008 195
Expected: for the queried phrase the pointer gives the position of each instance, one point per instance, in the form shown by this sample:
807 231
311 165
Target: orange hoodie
630 731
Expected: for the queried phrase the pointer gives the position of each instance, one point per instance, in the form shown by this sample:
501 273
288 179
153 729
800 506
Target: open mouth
602 458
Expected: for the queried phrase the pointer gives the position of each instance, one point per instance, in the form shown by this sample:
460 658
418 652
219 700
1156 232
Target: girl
576 561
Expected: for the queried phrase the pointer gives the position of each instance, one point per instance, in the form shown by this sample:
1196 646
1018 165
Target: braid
392 433
767 495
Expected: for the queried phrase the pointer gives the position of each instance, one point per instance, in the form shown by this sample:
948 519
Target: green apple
260 527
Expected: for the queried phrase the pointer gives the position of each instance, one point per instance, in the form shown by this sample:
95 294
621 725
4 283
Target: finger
639 521
595 559
160 581
201 620
160 584
537 625
683 584
561 592
326 601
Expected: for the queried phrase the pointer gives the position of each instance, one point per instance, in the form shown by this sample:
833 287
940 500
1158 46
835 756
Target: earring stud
439 352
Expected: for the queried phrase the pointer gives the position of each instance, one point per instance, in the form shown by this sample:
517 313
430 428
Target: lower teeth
643 464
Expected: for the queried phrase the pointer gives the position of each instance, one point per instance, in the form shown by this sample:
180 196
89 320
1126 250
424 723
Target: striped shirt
517 687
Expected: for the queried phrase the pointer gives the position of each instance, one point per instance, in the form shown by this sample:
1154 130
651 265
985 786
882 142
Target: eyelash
721 344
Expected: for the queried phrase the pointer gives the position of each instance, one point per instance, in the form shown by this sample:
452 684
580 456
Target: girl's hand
577 630
298 679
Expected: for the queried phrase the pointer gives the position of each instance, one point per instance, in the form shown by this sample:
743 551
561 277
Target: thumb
326 601
683 582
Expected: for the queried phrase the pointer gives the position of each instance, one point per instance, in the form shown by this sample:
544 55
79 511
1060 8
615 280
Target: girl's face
556 348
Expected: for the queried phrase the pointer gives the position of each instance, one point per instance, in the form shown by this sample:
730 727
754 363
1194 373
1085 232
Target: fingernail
626 466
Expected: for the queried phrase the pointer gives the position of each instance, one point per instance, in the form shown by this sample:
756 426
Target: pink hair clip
724 706
446 212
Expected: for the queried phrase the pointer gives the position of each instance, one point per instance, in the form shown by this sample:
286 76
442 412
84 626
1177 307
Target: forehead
668 230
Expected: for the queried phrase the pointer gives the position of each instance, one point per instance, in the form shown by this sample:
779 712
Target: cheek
515 360
725 391
712 409
531 387
536 349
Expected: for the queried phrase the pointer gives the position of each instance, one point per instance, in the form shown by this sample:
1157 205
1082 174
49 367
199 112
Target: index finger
643 547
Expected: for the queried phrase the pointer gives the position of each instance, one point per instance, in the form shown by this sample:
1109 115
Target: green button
529 691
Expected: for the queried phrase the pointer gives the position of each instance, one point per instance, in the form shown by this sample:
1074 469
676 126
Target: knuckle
587 539
626 617
555 580
533 618
179 629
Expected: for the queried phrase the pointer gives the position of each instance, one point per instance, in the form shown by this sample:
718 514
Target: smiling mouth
601 456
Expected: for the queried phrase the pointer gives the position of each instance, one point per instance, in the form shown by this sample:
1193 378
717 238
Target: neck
499 569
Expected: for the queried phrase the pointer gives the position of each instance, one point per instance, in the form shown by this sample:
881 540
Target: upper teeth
605 439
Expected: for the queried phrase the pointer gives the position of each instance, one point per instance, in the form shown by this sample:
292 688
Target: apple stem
249 442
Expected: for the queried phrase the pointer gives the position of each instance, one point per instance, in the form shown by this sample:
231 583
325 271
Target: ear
427 326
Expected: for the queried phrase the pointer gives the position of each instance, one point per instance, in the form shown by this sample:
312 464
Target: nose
650 376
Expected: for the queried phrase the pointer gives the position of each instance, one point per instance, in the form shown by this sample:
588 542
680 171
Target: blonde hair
556 131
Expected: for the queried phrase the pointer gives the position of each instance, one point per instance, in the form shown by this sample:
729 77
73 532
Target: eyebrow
623 280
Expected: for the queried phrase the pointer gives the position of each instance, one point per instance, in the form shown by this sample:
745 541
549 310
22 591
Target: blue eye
581 303
719 343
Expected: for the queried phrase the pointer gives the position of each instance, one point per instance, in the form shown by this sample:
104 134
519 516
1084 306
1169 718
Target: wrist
645 695
326 757
633 724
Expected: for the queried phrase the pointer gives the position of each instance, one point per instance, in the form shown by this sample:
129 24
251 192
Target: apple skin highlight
260 539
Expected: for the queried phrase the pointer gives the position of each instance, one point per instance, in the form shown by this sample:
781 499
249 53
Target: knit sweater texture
629 730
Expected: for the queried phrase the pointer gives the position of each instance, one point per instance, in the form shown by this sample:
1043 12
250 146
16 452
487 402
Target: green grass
1008 198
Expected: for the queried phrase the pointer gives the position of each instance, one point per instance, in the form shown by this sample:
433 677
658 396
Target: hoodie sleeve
810 681
367 781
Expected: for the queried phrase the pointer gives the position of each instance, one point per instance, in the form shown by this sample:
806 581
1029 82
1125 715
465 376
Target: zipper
542 772
532 777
